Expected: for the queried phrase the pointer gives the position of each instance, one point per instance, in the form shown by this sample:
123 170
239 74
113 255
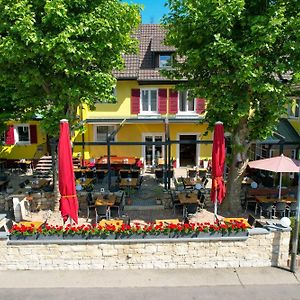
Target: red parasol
66 180
218 189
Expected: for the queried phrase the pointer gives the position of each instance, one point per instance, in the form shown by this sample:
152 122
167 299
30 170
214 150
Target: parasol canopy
66 180
218 189
279 164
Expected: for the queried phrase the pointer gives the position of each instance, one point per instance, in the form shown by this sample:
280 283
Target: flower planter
23 237
75 237
50 237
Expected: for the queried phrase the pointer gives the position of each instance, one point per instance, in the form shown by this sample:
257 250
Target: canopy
66 180
279 164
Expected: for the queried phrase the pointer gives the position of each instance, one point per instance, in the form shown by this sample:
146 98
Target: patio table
128 182
36 185
188 198
265 199
190 182
110 201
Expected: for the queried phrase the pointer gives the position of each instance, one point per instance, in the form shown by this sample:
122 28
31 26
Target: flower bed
136 231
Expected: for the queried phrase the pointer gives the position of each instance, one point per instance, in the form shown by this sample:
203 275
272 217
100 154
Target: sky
153 10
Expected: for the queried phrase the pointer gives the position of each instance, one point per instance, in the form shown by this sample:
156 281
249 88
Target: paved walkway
149 278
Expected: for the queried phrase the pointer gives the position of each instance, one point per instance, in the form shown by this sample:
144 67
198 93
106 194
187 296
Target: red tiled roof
141 66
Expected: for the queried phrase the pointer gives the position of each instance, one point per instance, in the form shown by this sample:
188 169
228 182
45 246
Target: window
102 132
165 61
22 134
149 101
294 109
186 104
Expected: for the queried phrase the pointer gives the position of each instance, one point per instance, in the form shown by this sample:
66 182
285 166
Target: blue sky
153 10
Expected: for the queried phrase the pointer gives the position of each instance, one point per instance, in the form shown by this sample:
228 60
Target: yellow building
148 109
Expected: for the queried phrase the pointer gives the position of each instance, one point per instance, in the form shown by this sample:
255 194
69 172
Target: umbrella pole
216 206
296 231
280 183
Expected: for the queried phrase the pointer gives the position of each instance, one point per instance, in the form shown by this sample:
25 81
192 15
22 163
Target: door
187 152
153 152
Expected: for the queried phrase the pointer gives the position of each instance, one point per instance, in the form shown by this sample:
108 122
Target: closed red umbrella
218 189
66 180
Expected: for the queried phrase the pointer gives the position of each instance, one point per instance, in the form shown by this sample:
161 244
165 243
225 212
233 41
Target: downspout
82 138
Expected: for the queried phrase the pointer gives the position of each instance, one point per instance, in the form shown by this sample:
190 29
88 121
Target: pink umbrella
66 180
279 164
218 189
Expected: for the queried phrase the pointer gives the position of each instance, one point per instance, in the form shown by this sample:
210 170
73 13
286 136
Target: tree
236 54
58 54
55 55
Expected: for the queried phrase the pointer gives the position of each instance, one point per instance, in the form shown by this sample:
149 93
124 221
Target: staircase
43 168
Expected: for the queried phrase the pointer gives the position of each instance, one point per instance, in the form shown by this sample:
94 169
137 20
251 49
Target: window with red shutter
135 101
162 101
173 102
200 105
10 135
33 134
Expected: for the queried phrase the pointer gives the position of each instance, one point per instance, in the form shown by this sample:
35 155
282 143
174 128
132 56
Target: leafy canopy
57 54
236 53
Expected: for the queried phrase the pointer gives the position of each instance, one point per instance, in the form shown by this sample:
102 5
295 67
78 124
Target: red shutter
10 135
200 106
162 101
173 102
135 101
33 134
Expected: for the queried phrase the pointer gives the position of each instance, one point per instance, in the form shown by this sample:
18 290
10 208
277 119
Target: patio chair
178 185
135 174
175 203
90 203
102 212
192 173
280 209
266 208
124 173
292 209
202 199
100 174
190 209
159 175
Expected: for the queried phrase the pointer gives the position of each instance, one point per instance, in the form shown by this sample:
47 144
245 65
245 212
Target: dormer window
165 61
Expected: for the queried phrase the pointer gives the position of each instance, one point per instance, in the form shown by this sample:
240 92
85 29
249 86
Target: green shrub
292 234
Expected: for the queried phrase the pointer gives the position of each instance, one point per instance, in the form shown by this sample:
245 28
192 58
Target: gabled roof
285 134
141 66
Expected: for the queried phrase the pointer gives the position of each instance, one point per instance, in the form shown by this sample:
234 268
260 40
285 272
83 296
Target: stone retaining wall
259 250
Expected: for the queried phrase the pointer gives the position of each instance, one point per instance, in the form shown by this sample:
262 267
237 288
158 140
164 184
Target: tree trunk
53 145
240 145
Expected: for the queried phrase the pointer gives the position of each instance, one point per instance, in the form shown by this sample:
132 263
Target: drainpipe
108 161
82 137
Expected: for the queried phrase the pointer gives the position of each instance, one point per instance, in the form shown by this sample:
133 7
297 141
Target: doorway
152 153
187 152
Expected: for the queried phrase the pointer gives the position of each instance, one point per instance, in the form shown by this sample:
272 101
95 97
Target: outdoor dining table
264 199
36 185
190 182
110 200
128 182
188 198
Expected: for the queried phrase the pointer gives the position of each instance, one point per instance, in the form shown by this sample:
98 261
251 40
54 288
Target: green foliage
292 234
235 53
55 55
